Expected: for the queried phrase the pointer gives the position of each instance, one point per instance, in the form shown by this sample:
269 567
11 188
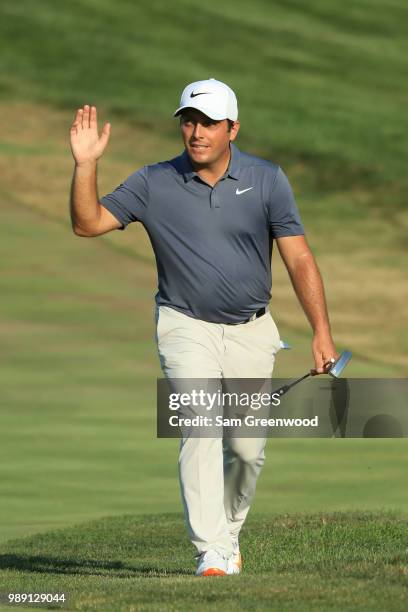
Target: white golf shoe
211 563
235 561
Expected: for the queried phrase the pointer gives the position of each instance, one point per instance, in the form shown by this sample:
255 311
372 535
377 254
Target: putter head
339 365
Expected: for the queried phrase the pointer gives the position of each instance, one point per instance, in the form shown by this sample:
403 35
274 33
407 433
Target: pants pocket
275 338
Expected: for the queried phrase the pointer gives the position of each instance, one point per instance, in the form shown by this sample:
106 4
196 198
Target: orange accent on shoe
214 571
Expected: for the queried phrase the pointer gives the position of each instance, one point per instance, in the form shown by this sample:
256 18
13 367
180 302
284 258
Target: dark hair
229 121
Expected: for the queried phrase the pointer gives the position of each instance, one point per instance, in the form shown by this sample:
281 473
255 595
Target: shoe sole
214 571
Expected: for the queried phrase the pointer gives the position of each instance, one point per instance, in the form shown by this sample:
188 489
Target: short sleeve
129 201
284 218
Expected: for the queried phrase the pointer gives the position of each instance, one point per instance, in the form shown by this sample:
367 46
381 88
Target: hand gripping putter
335 370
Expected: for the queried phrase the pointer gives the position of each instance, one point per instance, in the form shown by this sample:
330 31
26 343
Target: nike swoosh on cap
238 192
201 93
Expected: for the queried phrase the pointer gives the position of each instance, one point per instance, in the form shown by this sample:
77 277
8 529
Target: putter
335 370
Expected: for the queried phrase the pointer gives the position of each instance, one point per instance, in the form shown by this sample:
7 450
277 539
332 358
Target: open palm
86 144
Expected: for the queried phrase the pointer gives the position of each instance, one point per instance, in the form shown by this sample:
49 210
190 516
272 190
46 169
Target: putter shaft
335 370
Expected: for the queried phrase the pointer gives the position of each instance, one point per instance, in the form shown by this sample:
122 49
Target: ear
234 130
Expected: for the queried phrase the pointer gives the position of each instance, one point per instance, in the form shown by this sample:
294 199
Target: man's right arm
88 216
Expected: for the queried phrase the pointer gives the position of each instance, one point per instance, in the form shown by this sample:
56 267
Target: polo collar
233 168
232 171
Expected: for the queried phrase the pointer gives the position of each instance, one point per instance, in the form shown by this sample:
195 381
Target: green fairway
304 562
78 417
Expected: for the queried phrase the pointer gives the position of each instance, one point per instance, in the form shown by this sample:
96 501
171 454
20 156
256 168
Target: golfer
212 214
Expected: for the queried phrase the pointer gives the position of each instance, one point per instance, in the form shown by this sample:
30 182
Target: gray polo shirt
213 245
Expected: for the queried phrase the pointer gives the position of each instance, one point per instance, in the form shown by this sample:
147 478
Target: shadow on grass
86 567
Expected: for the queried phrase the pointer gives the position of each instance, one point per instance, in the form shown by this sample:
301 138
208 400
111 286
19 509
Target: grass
353 561
327 84
322 91
319 85
355 268
78 396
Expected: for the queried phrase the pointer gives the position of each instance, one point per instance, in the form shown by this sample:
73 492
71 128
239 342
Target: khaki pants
217 477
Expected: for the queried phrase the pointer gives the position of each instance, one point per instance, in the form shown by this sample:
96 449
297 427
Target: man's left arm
308 285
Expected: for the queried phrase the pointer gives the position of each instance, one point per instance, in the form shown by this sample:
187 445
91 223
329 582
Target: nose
197 130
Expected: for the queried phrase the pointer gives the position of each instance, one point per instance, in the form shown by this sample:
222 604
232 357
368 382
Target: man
212 214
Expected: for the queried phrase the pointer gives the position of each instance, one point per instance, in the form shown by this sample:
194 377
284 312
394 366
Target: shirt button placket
214 199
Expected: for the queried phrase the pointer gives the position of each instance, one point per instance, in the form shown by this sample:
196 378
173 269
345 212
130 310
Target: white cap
213 98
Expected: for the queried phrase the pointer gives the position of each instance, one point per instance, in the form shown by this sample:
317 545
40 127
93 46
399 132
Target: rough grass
354 561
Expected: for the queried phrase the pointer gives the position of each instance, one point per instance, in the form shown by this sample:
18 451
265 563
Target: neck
211 173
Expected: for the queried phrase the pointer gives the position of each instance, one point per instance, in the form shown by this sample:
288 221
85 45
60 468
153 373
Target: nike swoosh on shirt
238 192
201 93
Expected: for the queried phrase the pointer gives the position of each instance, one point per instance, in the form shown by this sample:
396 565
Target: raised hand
86 144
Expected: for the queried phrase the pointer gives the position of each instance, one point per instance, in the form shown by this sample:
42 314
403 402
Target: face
206 140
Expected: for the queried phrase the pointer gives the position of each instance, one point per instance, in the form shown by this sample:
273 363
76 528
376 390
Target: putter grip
282 390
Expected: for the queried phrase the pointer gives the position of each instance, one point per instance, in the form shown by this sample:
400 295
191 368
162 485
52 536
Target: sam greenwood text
248 421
